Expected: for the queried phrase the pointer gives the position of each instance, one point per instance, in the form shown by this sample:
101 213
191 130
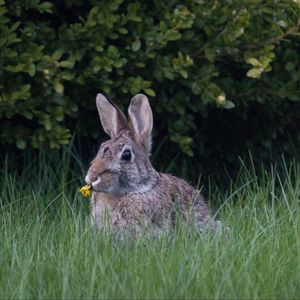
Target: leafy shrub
215 71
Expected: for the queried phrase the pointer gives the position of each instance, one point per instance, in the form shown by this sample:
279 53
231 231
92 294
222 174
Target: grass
48 249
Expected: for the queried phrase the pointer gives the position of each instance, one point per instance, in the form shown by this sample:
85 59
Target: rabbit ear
141 119
112 119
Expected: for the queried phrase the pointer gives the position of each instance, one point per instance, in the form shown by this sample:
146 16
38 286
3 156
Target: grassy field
48 249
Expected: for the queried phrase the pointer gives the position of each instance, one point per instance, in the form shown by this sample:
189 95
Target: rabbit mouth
107 182
96 183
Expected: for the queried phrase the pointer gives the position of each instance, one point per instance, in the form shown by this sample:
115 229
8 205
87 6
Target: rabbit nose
91 177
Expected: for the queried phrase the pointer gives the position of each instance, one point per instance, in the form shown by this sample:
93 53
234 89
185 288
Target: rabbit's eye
126 155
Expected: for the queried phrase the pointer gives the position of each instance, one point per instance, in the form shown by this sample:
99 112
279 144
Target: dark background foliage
222 76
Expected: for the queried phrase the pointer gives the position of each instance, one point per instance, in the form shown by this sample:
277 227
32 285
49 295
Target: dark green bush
222 76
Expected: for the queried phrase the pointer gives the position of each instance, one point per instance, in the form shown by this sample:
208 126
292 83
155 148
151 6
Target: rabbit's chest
127 210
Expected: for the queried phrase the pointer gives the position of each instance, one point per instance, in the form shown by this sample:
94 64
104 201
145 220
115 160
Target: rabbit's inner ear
141 119
112 119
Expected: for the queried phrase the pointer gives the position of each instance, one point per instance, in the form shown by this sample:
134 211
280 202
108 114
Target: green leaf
136 45
266 62
183 73
254 73
16 68
254 61
150 92
59 88
21 144
23 93
27 114
67 64
174 36
3 11
47 124
67 76
57 54
45 7
178 126
229 104
290 66
31 70
15 26
282 23
135 18
123 30
196 88
119 63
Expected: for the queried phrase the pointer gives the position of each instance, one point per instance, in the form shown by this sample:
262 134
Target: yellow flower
86 190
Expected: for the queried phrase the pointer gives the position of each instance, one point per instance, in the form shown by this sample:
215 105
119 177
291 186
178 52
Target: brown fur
132 195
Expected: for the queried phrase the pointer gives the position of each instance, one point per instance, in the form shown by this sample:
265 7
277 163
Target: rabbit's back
190 202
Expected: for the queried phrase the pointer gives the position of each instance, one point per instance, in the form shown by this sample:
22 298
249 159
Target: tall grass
49 250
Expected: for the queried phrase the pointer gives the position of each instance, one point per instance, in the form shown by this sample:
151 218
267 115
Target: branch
222 32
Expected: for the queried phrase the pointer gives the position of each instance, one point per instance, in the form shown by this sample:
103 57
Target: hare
127 190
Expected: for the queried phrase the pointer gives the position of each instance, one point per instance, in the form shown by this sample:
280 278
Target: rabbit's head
122 163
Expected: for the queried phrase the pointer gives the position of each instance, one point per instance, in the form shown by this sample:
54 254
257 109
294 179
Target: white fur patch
95 183
144 188
87 180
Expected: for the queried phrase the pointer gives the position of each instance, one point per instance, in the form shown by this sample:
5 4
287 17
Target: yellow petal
85 191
